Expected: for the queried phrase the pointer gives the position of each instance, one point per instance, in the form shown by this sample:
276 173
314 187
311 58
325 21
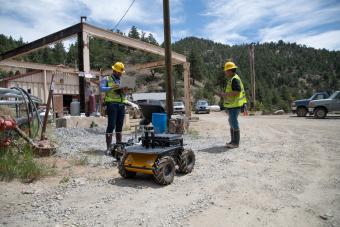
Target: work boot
236 141
231 136
118 137
108 137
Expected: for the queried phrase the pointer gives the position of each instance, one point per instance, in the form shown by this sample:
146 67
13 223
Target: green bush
21 165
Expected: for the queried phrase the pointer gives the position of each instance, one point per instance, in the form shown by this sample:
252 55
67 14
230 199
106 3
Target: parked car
215 108
300 107
202 106
179 107
320 108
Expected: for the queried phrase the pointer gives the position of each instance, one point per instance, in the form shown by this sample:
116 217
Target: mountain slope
284 71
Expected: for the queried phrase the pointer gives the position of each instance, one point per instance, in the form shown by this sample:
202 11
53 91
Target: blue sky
314 23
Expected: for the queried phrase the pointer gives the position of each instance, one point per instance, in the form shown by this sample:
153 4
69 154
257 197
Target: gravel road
285 173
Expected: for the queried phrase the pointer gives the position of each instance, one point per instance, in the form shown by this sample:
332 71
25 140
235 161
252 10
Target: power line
123 16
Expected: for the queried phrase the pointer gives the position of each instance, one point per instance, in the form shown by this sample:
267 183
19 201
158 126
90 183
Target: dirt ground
285 173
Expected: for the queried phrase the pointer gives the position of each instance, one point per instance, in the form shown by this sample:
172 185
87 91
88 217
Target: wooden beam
148 65
40 43
130 42
30 65
152 65
94 31
38 66
187 97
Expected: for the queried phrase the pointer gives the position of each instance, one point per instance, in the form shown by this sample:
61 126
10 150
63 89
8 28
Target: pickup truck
321 107
300 107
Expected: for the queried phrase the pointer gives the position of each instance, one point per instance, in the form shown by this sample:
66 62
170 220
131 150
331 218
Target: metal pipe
10 102
33 104
15 92
10 91
24 136
10 95
24 120
27 111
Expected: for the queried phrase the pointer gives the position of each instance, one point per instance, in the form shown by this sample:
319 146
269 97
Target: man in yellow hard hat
115 101
234 98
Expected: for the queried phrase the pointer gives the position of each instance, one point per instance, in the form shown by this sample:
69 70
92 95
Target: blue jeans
233 115
115 117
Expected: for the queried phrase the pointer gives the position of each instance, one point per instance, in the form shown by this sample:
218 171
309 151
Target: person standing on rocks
115 101
234 98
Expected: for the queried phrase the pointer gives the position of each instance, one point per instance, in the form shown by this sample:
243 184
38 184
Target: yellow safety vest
114 94
236 101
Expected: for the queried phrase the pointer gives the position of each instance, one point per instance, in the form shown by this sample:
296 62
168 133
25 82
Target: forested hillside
284 71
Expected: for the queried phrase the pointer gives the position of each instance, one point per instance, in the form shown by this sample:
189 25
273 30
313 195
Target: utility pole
252 76
167 44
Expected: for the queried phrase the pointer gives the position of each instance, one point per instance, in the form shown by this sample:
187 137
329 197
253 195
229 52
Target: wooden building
36 79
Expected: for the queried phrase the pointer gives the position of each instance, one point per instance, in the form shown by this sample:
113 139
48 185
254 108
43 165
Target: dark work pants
115 116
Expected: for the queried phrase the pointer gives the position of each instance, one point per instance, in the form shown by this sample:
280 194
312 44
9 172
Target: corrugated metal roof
149 96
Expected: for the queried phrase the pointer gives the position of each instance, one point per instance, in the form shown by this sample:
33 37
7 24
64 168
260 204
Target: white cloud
33 20
227 21
180 33
113 10
262 21
328 40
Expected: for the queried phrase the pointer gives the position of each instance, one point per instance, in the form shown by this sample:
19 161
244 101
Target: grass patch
83 161
64 180
21 165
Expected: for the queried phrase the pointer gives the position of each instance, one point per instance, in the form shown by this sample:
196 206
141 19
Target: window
338 96
319 96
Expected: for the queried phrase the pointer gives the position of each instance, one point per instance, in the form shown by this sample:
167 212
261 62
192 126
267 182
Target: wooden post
84 67
187 100
167 45
45 87
49 100
252 76
254 80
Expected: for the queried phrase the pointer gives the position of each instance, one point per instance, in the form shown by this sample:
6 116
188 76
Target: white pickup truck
320 108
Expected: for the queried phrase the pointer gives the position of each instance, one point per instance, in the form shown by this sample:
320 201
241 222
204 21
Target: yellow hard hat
229 65
118 67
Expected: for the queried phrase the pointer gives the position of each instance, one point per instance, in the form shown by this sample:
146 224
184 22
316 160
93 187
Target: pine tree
58 54
196 63
133 33
151 39
143 37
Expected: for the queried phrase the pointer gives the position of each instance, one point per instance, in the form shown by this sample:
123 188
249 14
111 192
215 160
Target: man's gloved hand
125 90
115 86
133 105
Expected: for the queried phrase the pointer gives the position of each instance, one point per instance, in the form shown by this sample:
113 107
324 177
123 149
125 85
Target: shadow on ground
214 150
326 118
140 181
94 152
329 117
